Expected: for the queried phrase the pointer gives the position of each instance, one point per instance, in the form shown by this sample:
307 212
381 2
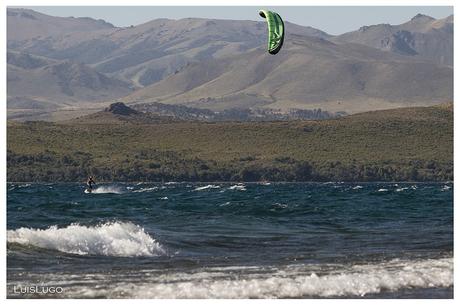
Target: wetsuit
90 183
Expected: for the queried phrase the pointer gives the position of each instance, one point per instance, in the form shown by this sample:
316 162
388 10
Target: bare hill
423 37
142 54
57 82
58 64
309 73
26 24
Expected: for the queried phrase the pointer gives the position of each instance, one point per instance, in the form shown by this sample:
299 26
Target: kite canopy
275 30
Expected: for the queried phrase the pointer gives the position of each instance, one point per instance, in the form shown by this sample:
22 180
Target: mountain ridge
337 73
422 36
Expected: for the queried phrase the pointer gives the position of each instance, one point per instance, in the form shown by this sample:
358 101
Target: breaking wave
109 239
288 282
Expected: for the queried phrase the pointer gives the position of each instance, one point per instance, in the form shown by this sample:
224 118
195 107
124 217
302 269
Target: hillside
142 54
119 113
402 144
26 24
64 67
309 73
57 83
423 37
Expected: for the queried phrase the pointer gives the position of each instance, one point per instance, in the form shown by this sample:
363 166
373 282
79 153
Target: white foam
402 189
279 205
288 282
107 189
382 190
239 187
146 189
110 239
207 187
357 187
445 188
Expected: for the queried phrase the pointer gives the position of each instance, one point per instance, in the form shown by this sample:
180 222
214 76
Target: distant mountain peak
420 16
22 13
119 108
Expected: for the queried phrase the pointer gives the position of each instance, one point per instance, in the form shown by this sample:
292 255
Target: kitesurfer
90 183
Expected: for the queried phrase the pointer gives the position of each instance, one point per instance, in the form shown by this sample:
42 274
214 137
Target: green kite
275 30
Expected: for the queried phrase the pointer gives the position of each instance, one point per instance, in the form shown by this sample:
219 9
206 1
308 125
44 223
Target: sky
331 19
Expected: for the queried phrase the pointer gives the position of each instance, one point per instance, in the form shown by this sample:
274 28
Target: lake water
223 240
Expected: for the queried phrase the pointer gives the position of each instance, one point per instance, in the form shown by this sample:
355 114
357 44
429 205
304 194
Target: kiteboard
88 190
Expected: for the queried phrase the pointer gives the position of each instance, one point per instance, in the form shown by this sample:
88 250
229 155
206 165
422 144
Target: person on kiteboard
90 183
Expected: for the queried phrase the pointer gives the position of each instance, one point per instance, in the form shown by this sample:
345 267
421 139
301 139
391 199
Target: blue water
222 240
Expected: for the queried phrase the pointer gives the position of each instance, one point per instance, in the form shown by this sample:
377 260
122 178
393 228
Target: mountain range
81 65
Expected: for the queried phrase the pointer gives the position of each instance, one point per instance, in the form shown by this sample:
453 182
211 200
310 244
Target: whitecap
110 239
382 190
146 189
297 281
358 187
207 187
280 205
239 187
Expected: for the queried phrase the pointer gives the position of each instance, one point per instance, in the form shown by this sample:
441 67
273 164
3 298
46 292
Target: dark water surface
183 240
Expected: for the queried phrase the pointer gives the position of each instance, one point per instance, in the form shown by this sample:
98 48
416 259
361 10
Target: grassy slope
380 145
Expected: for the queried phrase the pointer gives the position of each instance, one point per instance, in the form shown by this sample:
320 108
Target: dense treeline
414 144
49 166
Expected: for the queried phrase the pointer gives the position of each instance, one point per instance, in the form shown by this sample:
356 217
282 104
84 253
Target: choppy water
182 240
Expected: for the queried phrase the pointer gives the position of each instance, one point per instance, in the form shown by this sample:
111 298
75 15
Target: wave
207 187
146 189
239 187
108 239
288 282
